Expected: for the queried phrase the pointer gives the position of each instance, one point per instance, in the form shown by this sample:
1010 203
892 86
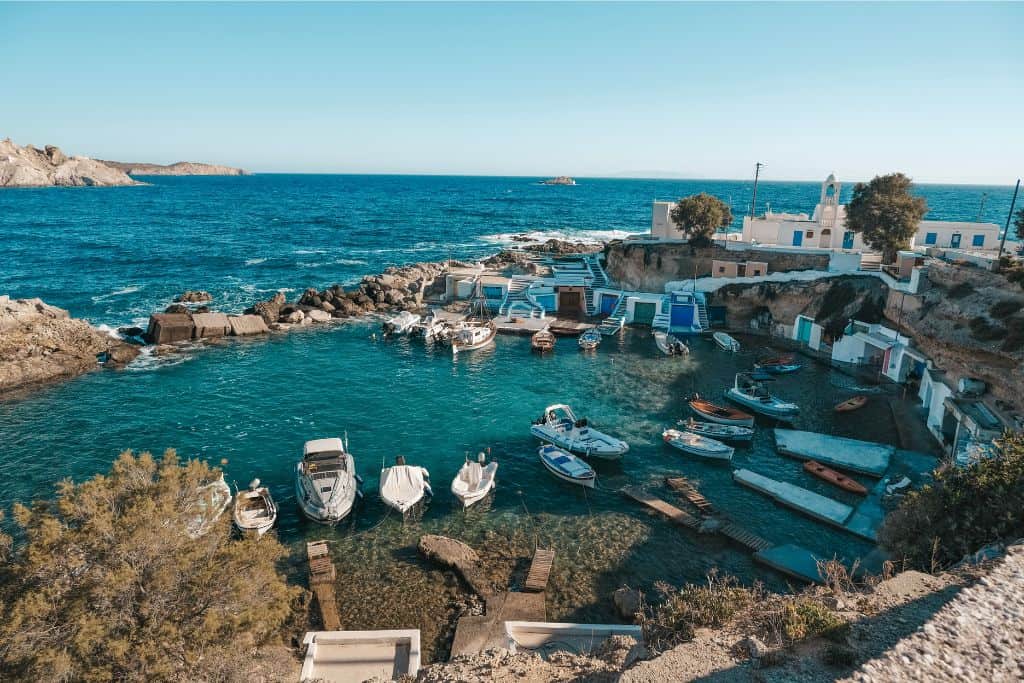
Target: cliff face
29 167
648 266
179 168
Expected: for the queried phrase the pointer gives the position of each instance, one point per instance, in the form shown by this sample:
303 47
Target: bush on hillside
1004 308
1015 335
983 329
960 290
108 586
692 606
962 510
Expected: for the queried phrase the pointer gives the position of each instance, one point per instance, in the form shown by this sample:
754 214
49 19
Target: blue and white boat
778 368
590 339
567 466
558 425
751 393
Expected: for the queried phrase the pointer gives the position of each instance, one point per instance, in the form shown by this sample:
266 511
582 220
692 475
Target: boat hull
742 420
700 446
855 403
725 342
331 514
844 482
768 410
577 448
549 455
721 432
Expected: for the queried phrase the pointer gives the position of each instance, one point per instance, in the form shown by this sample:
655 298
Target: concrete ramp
791 560
852 455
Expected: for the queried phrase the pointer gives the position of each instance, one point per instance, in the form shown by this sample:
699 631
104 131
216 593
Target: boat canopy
332 447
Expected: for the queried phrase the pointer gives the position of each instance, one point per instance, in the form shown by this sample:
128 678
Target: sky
684 90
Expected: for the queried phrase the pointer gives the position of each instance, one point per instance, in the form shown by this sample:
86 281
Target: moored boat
714 430
431 328
726 342
474 480
542 341
751 393
851 404
470 335
778 368
400 324
725 415
831 476
208 505
326 485
402 486
559 425
590 339
698 445
567 466
669 344
255 509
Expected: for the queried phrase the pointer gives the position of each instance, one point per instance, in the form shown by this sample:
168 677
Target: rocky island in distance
178 168
560 180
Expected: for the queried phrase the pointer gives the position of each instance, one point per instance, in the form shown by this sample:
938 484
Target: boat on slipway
725 415
474 480
726 342
402 486
567 466
255 509
752 394
714 430
670 345
400 324
326 484
559 426
590 340
698 445
831 476
542 341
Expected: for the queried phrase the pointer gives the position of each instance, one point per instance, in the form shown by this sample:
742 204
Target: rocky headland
178 168
560 180
50 167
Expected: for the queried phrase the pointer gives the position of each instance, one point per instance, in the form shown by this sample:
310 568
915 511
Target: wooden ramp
540 568
683 486
674 514
321 580
743 537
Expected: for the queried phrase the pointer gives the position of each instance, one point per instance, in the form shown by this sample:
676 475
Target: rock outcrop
194 296
41 343
29 167
560 180
458 556
179 168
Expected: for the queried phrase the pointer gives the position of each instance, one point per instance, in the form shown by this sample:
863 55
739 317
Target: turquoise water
114 255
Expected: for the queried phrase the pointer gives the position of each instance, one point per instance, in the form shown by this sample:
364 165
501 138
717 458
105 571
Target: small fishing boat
831 476
784 359
400 324
722 432
255 510
558 425
851 404
777 368
590 339
698 445
471 335
725 415
431 328
326 484
567 466
726 342
474 480
206 508
403 486
670 345
542 341
751 393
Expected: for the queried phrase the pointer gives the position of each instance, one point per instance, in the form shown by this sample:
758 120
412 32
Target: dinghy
851 404
670 345
722 432
254 509
470 335
326 484
831 476
402 486
400 324
751 393
778 368
590 340
542 341
559 426
431 328
726 342
474 480
721 414
567 466
206 508
698 445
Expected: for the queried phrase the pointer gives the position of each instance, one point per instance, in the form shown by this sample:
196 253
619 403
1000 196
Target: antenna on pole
753 200
1009 216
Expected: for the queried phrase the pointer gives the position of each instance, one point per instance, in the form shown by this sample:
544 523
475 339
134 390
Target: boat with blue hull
559 426
567 466
752 394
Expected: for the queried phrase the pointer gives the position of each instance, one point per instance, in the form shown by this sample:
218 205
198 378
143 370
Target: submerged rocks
193 297
458 556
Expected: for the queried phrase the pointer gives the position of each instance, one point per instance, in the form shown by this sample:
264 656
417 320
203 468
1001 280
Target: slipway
852 455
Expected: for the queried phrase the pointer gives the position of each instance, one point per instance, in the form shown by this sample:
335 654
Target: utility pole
1009 217
753 200
981 209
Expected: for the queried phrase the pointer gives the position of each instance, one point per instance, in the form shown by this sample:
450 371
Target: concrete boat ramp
852 455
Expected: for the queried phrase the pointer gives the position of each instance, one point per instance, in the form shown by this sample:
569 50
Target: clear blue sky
935 90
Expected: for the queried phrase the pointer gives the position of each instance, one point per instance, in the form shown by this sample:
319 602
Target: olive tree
700 215
885 213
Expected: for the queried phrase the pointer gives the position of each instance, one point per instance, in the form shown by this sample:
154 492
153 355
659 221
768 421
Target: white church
826 228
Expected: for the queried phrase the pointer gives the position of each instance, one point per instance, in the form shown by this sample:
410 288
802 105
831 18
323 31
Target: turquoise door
955 241
803 330
848 239
798 238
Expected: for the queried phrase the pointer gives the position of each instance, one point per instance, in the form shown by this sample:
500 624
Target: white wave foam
255 261
119 292
109 331
309 251
538 236
336 262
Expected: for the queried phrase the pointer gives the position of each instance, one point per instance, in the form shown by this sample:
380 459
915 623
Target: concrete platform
476 634
524 326
547 637
341 656
791 560
814 505
864 457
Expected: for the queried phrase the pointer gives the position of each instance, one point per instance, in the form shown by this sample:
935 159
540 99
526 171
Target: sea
114 255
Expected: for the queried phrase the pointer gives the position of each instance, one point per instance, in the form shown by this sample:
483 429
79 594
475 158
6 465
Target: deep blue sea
115 255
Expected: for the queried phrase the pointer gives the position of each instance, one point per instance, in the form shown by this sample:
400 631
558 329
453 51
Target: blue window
978 241
848 239
931 238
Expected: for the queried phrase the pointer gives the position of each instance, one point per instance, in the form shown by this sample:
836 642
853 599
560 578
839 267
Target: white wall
662 225
944 231
935 403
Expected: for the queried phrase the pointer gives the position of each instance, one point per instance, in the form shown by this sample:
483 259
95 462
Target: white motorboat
474 480
401 323
567 466
590 339
255 510
726 342
470 335
326 484
206 508
751 393
670 345
559 426
403 486
722 432
695 444
431 328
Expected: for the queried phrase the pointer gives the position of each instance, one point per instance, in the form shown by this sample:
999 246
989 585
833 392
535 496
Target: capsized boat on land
542 341
831 476
751 393
590 339
725 415
695 444
400 324
206 508
722 432
670 345
255 509
558 425
474 480
726 342
326 484
402 485
567 466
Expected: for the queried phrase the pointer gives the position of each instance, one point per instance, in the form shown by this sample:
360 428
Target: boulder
131 331
628 602
327 306
193 296
167 328
458 556
119 355
177 308
54 154
210 325
243 325
294 317
394 297
318 316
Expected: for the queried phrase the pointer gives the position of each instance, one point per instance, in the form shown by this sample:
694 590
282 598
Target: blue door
798 238
954 242
608 302
848 239
682 316
803 331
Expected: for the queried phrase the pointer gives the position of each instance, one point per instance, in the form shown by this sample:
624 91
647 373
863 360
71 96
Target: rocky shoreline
50 167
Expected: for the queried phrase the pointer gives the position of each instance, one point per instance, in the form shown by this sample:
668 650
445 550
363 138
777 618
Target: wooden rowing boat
834 478
721 414
852 404
543 341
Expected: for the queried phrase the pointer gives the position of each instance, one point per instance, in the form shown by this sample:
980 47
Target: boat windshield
326 461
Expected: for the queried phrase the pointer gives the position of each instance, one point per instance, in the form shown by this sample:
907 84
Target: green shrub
805 618
984 330
681 610
1004 308
960 290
